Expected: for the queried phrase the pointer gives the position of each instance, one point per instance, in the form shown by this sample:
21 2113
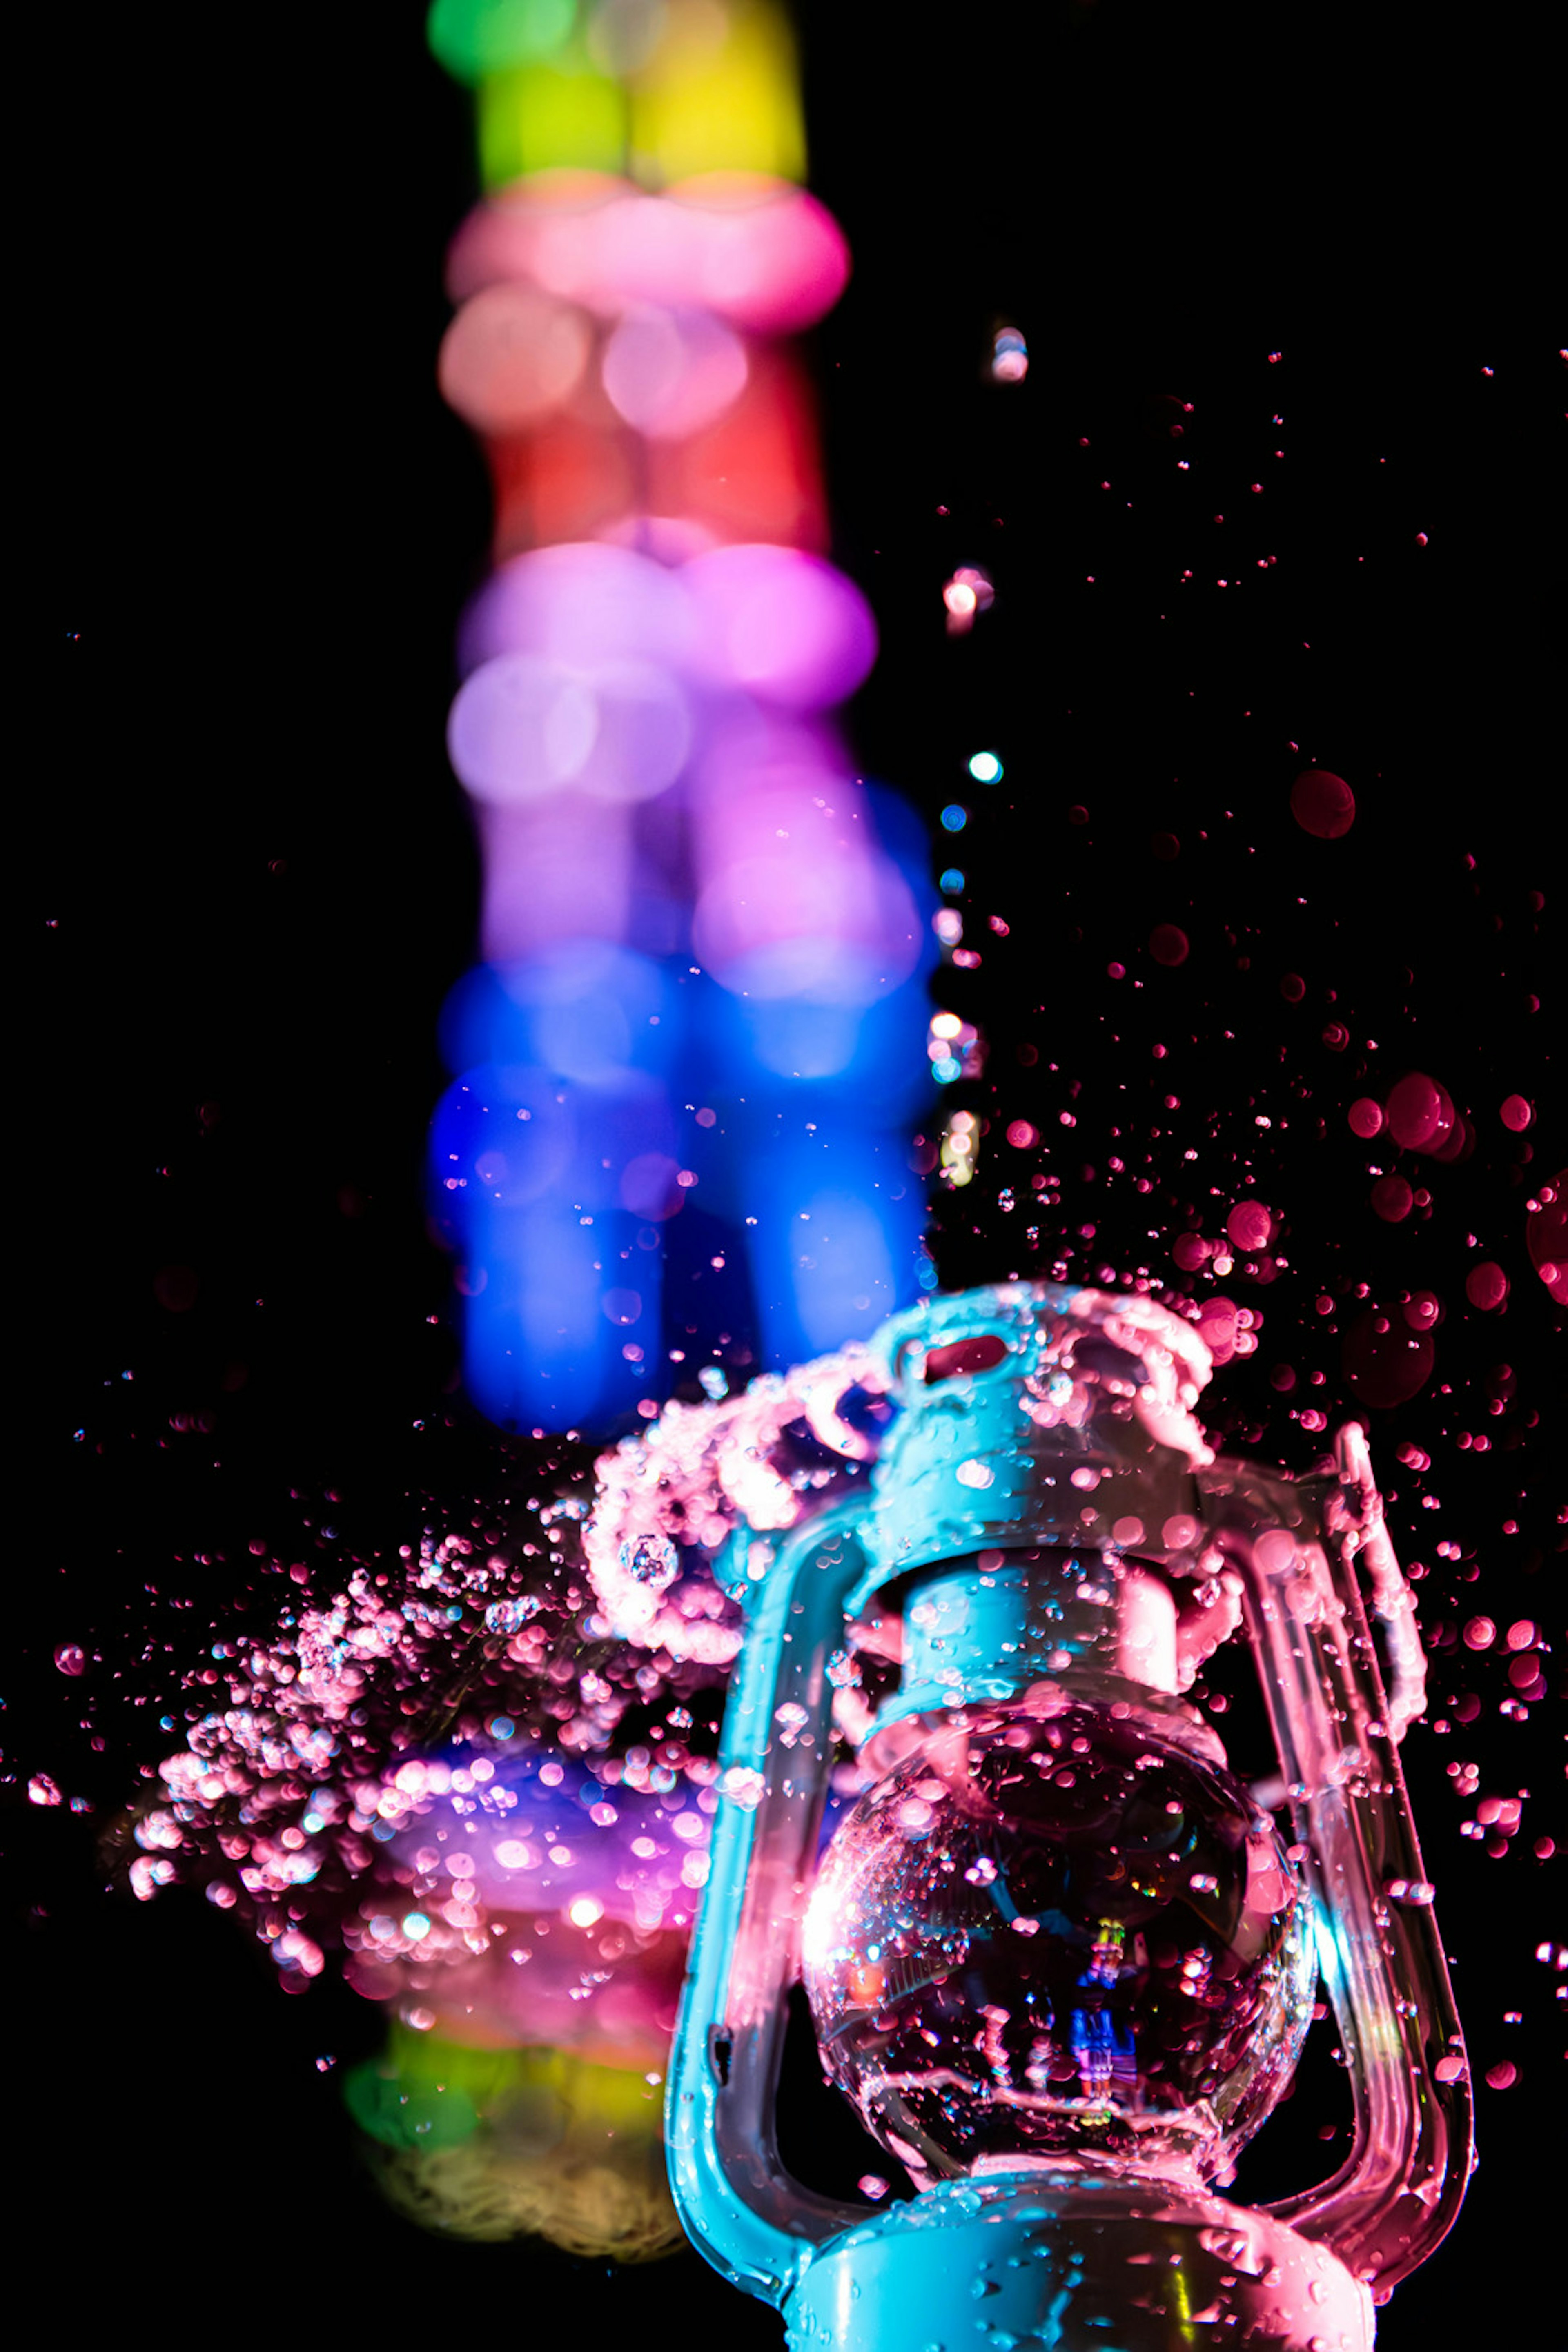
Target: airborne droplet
651 1560
1322 805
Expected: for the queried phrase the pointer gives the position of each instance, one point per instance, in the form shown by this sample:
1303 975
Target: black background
254 883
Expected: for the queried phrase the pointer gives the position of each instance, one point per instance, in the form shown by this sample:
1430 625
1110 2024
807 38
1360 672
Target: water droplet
508 1616
1420 1113
1393 1198
1249 1225
1322 805
1486 1286
650 1559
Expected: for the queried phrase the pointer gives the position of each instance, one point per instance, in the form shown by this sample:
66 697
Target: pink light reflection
555 869
582 603
512 356
756 252
538 2001
794 898
669 373
771 621
521 727
783 625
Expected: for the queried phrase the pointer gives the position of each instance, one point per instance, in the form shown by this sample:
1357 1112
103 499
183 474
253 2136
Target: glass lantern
1059 1959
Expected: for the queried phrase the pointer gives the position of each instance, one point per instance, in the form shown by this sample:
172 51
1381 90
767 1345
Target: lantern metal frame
1049 2249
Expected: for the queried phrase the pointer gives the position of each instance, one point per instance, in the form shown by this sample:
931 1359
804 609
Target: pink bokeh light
758 253
783 626
510 356
521 727
581 604
671 372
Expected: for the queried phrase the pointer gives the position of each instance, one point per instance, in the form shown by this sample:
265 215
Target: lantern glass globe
1068 1939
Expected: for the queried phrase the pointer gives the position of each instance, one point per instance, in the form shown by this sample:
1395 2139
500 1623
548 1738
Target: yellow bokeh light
720 93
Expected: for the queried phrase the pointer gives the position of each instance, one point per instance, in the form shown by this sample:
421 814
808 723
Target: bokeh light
480 2141
644 732
275 1324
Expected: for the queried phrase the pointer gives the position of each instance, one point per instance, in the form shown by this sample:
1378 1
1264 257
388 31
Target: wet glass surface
1060 1937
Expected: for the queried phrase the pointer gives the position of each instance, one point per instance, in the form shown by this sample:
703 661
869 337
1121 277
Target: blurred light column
676 1130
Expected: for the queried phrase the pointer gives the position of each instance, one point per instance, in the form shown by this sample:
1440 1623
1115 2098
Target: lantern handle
745 2211
1354 1517
1296 1544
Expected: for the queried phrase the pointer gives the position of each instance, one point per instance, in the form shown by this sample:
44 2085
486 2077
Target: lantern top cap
1033 1413
1035 1322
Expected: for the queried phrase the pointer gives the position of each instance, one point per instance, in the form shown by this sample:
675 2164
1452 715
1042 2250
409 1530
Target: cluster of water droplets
667 1499
333 1757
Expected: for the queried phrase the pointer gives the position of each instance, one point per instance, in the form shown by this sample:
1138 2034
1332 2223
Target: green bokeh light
474 37
408 2111
427 2092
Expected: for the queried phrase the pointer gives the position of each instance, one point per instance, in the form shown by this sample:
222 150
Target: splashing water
317 1800
669 1499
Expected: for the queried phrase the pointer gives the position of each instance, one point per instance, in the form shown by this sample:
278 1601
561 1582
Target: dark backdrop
1310 245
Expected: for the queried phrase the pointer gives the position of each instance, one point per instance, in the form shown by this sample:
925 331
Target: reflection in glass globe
1062 1938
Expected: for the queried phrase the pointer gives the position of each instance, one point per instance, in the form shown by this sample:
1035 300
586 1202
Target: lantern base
1078 2263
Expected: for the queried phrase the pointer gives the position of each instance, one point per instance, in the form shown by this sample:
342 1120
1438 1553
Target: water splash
675 1494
